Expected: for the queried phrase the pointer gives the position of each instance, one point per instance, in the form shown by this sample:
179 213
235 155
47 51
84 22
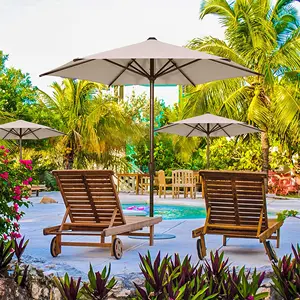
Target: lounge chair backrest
235 198
90 196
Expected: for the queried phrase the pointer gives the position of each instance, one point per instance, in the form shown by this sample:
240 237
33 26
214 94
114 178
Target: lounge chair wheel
271 252
53 247
199 249
117 248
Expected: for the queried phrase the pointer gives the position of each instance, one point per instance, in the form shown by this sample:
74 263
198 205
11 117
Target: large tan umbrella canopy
23 130
151 62
208 126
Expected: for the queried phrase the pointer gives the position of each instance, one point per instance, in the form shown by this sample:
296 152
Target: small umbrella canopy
208 125
151 62
23 130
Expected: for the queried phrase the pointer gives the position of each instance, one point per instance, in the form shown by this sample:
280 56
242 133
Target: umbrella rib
236 67
213 129
192 130
123 67
33 132
169 70
202 128
183 73
27 131
162 68
198 127
143 70
249 126
81 61
128 65
7 133
222 128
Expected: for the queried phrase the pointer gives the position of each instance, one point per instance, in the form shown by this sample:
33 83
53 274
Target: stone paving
75 260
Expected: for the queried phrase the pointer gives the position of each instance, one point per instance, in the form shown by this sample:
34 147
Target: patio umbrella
208 125
151 62
23 130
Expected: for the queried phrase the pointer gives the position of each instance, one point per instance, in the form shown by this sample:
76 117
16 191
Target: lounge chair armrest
197 232
50 230
268 232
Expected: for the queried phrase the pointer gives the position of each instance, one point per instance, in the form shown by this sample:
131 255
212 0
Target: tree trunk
265 152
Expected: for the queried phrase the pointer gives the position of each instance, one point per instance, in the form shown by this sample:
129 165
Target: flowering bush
14 186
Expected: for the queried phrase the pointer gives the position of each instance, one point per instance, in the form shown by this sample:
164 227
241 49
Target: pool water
171 212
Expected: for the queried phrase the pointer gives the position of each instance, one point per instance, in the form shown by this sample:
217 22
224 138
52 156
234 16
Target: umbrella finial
152 38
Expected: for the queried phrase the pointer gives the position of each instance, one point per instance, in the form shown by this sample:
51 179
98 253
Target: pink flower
18 217
16 235
17 197
4 176
7 150
6 161
2 147
26 197
16 225
17 190
26 182
29 179
4 237
16 207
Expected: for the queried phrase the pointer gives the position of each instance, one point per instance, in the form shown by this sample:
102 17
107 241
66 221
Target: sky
40 35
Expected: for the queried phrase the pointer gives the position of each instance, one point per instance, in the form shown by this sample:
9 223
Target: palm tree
93 122
259 35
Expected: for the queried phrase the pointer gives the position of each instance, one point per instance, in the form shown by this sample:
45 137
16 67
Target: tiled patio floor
76 259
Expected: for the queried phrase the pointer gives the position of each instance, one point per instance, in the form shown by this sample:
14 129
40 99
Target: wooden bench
37 188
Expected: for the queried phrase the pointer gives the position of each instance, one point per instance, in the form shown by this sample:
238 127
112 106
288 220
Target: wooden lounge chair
236 208
94 209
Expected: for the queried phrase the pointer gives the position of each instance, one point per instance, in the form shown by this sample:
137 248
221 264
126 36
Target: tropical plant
99 284
19 248
6 255
281 216
94 123
169 278
263 36
286 278
14 181
68 287
21 275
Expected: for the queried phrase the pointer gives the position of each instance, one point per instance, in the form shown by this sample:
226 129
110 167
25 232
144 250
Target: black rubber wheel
199 249
53 247
271 252
117 248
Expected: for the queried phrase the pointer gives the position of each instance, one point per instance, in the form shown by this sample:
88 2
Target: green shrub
286 278
14 192
175 279
99 285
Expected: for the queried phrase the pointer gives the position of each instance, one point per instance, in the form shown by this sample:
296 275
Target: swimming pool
170 212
